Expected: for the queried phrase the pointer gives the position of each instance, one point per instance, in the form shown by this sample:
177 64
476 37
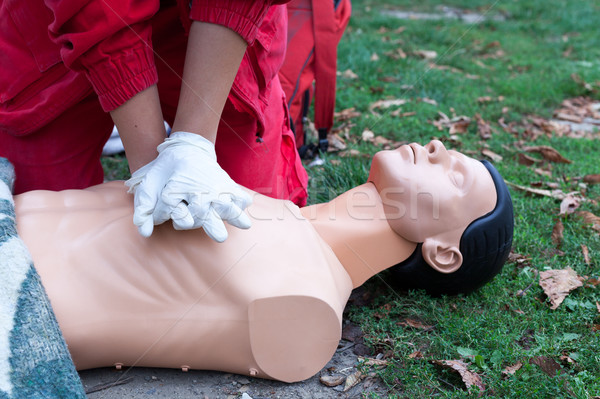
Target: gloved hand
186 184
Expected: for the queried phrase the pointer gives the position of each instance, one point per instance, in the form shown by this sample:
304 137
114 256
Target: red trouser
65 153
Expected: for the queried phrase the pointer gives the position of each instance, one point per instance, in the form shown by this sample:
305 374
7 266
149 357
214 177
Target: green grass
494 325
544 42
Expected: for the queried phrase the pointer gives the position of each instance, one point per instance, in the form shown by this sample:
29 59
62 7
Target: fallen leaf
592 179
419 355
336 142
557 233
377 363
352 380
569 204
586 254
510 370
426 54
388 79
567 359
374 57
380 140
353 153
558 283
526 160
590 219
397 54
468 377
348 74
549 153
484 99
346 114
367 135
567 52
429 101
556 194
398 113
415 324
491 155
518 258
598 306
548 365
331 380
483 128
543 172
387 103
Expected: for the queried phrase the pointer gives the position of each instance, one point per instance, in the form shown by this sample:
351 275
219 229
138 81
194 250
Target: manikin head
457 209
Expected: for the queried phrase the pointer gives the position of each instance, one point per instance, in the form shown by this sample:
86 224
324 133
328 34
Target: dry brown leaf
549 153
429 101
569 204
426 54
518 258
397 54
590 219
557 233
332 380
484 99
491 155
598 306
377 363
352 380
336 143
419 355
510 370
387 103
470 378
566 359
592 179
380 140
558 283
415 324
353 153
526 160
398 113
548 365
556 194
348 74
388 79
374 57
483 128
543 172
346 114
586 254
367 135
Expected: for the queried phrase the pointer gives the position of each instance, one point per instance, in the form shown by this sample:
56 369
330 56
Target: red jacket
53 56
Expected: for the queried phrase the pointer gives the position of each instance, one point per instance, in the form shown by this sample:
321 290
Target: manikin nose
437 153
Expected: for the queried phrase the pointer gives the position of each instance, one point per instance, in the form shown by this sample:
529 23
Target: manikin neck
355 227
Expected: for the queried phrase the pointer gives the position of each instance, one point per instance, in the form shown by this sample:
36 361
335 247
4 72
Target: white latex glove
186 184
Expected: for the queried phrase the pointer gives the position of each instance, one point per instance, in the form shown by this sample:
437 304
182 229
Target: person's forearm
212 60
141 127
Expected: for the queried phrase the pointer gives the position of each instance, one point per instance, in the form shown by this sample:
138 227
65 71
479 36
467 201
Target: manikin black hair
485 246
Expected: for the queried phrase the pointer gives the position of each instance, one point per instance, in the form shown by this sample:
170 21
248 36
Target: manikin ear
443 257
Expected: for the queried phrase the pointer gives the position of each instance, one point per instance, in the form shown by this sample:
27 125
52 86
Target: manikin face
429 191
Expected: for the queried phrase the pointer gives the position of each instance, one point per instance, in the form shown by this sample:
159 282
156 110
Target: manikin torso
266 295
267 302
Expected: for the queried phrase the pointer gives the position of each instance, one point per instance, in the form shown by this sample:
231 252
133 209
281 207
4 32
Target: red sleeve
242 16
109 41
